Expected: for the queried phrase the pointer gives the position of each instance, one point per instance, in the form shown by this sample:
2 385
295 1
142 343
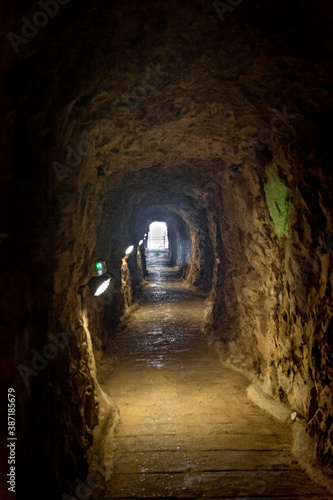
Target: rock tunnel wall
278 323
172 112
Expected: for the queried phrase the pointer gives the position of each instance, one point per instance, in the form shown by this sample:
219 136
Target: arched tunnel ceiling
153 92
178 196
160 181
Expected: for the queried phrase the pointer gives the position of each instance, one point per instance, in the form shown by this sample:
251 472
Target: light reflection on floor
186 428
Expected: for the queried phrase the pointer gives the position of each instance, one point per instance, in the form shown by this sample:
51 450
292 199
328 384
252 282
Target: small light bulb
102 288
140 242
129 250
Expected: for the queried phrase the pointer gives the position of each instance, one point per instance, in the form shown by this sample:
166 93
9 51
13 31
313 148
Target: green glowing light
278 200
101 268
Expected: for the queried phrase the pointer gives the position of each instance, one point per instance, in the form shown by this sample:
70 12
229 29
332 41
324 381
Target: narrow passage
186 428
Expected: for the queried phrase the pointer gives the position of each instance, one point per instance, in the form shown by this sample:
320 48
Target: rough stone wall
59 398
171 111
282 286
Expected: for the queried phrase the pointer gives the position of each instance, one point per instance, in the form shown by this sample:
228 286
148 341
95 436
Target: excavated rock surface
128 111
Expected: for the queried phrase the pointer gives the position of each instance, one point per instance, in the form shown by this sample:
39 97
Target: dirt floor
186 427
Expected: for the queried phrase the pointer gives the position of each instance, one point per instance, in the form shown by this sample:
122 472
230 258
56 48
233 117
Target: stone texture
185 115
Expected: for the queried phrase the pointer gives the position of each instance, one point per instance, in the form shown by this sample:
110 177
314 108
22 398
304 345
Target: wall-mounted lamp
129 250
140 242
97 285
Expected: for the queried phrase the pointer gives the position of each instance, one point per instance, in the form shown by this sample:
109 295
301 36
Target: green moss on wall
278 200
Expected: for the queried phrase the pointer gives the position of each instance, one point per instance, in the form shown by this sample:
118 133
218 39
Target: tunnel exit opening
158 236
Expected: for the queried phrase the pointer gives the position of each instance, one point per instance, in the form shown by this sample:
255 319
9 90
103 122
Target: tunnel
205 368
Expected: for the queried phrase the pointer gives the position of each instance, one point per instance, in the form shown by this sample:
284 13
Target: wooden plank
195 430
182 461
213 485
222 423
162 410
200 442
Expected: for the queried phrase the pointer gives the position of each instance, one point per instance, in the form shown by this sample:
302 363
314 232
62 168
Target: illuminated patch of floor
186 428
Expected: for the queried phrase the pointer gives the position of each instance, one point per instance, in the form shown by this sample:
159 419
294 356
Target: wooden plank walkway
186 428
